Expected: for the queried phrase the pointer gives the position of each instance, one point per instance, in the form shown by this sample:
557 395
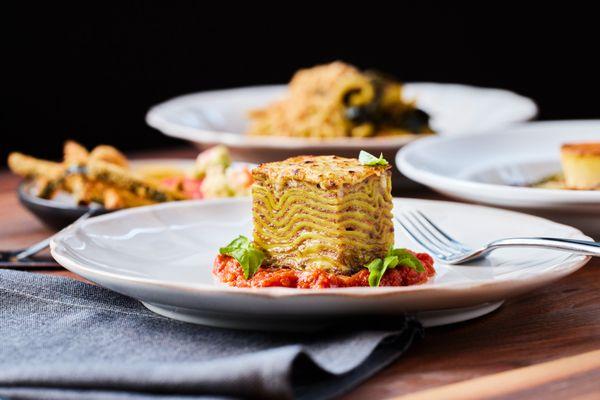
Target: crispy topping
328 172
589 148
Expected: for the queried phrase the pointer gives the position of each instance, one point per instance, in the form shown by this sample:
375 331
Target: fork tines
418 226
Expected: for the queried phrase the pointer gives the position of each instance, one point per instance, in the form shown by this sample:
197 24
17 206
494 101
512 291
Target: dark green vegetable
413 120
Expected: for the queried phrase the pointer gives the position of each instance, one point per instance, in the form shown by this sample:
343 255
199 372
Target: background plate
480 168
221 116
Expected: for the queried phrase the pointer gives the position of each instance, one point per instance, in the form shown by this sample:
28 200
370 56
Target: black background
90 70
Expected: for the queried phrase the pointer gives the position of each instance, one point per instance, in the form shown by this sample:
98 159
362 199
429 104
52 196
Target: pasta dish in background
337 100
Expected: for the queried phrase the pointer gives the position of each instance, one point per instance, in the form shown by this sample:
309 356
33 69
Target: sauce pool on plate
229 272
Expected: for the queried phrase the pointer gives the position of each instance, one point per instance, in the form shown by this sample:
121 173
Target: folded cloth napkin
64 339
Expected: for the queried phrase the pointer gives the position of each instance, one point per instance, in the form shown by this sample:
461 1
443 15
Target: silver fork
450 251
17 256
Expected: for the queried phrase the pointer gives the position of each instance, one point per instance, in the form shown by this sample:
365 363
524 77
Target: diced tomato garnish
172 183
191 187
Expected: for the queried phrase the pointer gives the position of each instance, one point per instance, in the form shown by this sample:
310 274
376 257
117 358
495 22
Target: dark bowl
54 213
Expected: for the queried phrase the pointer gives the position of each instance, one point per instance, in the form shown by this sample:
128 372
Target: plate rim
57 251
466 187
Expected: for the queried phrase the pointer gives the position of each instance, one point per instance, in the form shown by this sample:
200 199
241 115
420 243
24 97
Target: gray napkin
64 339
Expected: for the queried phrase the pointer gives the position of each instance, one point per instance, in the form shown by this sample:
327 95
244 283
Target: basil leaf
394 257
390 262
370 160
407 259
376 271
248 255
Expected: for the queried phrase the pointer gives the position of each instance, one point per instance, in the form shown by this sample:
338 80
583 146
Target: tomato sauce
229 271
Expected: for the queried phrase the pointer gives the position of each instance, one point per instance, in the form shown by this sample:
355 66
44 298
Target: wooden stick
512 381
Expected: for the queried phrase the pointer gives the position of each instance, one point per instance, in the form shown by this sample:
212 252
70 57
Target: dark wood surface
558 321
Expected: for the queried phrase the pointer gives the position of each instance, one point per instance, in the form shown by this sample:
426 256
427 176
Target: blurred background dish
60 192
338 100
504 168
62 209
222 117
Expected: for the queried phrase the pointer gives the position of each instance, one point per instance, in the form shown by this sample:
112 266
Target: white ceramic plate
163 255
480 168
220 116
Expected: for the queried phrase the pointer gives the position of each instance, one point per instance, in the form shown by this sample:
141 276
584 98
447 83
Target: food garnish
370 160
394 257
246 253
376 270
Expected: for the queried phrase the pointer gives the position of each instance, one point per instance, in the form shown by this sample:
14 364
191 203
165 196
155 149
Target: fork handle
41 245
582 247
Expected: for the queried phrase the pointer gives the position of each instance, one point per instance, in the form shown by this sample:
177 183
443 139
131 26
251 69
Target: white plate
163 255
479 167
220 116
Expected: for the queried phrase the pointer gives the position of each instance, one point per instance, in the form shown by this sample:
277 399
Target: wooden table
540 345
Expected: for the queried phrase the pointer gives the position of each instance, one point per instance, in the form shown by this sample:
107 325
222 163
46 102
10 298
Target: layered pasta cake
581 165
322 213
321 221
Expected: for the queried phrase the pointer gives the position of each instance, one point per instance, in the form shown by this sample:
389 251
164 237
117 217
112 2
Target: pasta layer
303 226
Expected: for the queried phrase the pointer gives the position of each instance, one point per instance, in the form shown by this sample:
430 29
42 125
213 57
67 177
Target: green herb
390 262
376 271
394 257
407 259
248 255
370 160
